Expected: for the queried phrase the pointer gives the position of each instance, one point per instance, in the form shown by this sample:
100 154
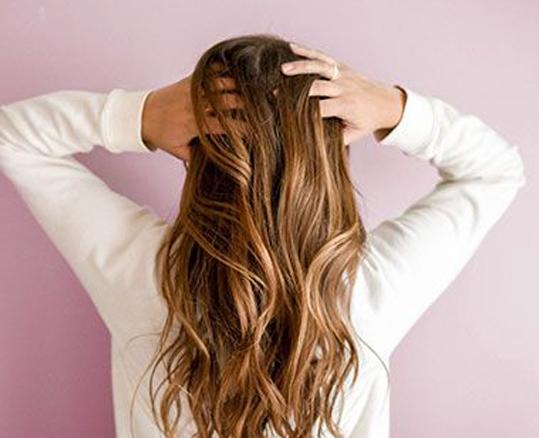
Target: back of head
254 268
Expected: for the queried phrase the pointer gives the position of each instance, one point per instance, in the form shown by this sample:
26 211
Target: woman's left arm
106 238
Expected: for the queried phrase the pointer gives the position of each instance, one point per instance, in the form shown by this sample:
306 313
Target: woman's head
257 268
253 63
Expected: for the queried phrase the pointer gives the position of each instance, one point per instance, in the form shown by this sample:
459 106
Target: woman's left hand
168 122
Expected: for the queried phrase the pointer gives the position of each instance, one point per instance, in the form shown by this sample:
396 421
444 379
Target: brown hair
257 268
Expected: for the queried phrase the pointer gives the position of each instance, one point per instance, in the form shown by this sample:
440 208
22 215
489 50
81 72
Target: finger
225 84
234 113
214 126
352 135
227 102
182 152
312 53
347 137
309 66
227 93
324 88
220 69
330 108
232 101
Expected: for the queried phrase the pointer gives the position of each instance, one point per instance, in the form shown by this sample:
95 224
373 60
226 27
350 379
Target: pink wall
469 368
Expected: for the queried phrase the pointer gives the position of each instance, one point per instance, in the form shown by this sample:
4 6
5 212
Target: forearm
65 122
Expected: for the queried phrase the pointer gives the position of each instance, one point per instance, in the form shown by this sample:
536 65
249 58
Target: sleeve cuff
416 126
122 121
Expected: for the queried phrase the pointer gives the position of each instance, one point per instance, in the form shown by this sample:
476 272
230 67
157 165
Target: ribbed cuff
122 121
416 127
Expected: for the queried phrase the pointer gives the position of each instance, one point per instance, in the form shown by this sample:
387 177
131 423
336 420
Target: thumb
182 152
351 135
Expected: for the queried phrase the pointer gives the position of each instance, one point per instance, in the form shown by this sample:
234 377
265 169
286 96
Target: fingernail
287 67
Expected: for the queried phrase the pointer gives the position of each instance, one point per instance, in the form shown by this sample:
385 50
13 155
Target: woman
253 308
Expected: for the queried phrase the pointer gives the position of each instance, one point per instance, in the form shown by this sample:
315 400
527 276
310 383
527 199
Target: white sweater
110 241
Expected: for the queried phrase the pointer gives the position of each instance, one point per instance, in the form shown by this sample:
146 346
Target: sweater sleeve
413 257
105 237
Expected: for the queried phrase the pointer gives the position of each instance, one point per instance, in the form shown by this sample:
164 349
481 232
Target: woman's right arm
414 257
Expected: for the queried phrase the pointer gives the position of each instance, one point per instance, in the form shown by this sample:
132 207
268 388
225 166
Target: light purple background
470 366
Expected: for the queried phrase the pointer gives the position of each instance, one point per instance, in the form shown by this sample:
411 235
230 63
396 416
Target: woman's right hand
168 122
364 105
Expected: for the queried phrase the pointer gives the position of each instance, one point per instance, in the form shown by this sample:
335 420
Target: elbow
517 167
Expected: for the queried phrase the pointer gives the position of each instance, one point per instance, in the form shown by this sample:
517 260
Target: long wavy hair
257 269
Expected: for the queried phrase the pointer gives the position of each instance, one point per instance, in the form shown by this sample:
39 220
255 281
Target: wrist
146 127
396 103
